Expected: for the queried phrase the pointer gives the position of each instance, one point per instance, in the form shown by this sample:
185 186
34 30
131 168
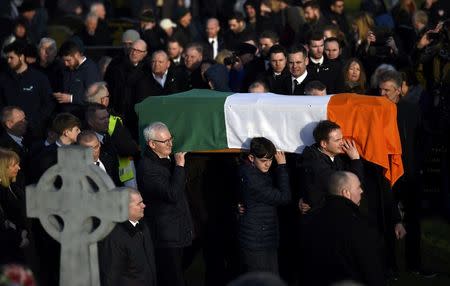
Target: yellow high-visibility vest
125 168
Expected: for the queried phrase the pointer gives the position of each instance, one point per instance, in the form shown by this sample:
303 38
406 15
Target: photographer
381 46
244 66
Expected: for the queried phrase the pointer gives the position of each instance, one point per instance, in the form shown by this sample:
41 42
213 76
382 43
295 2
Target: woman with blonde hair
13 234
362 25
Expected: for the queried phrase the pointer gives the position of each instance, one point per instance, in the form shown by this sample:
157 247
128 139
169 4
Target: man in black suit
97 119
103 160
278 71
162 181
15 125
126 255
161 81
319 66
213 39
299 76
335 238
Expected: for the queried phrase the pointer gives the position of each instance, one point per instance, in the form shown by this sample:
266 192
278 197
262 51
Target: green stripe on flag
195 118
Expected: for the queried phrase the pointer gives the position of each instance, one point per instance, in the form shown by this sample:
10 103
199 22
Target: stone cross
82 192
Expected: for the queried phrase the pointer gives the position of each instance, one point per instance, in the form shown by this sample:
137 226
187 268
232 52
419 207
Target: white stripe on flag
288 121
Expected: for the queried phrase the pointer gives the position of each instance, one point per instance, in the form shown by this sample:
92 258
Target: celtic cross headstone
76 191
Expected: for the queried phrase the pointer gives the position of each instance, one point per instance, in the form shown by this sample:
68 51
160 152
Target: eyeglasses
164 141
137 51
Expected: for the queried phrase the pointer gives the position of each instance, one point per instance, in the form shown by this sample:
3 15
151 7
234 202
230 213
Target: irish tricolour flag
205 120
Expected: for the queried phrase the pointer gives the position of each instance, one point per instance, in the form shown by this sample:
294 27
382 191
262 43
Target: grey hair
132 191
96 92
150 131
50 41
393 76
374 80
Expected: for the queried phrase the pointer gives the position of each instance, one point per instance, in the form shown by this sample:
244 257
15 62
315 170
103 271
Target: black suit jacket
299 89
162 186
275 83
126 256
148 86
47 158
209 51
111 166
328 73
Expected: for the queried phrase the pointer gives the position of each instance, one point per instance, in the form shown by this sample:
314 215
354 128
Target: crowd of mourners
72 71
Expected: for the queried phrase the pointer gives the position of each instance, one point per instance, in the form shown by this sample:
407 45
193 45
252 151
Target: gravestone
76 191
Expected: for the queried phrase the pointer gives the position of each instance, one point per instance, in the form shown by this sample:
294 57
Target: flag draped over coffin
204 120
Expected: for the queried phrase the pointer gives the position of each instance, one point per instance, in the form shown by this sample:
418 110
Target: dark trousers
265 260
409 195
169 266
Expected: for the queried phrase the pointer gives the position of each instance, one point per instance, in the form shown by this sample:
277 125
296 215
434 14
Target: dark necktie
296 84
97 163
212 43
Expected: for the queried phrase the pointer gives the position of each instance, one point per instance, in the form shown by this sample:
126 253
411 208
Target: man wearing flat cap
151 32
249 65
186 32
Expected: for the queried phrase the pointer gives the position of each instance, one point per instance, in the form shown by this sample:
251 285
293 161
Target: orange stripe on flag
372 122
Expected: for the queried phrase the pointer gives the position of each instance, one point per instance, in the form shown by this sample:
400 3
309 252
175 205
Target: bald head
212 27
345 184
138 51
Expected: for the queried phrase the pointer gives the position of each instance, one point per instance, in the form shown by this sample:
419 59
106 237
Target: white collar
17 139
301 78
160 78
134 223
319 61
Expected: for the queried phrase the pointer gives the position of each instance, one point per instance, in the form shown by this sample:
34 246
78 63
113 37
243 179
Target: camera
433 36
231 60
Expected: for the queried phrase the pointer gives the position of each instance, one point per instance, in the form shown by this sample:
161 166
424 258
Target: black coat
30 91
409 129
162 186
286 86
258 226
328 73
337 244
316 168
126 256
176 81
276 83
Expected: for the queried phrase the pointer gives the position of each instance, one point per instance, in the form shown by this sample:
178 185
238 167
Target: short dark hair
64 121
18 47
314 84
261 147
312 4
315 36
275 49
393 76
298 49
323 130
238 16
333 39
174 40
69 48
269 34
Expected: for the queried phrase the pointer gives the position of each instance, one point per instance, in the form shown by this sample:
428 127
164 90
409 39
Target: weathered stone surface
86 192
